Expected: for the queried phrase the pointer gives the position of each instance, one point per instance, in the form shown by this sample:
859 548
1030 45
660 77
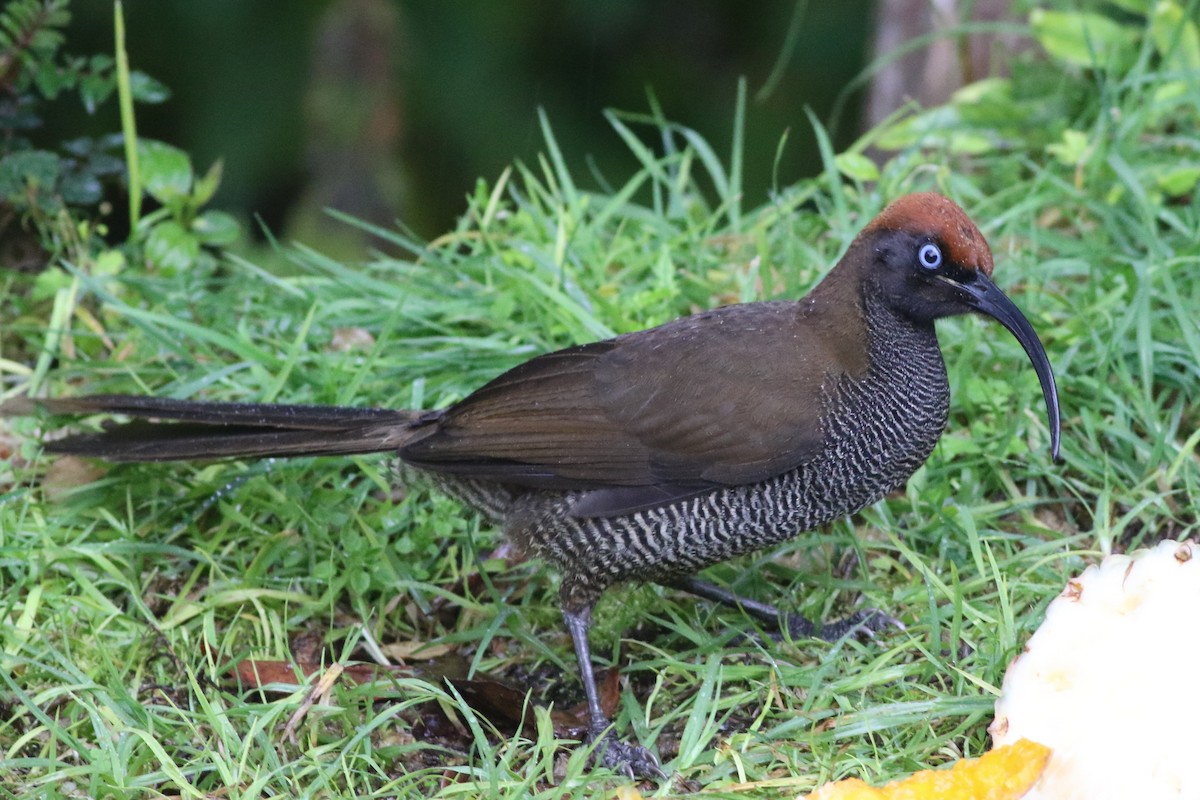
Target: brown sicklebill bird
653 455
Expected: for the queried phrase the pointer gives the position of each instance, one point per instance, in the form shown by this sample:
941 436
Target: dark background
391 109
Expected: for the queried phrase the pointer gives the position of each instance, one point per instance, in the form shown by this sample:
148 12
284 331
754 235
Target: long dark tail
180 430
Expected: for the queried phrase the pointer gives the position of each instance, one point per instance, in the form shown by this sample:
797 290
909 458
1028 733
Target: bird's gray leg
865 622
631 759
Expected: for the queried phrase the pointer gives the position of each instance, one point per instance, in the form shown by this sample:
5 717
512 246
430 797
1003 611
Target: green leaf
216 228
146 89
1072 150
96 82
18 171
206 187
986 90
166 171
170 247
51 79
1083 39
857 167
94 90
1176 38
109 263
1179 181
1170 93
925 128
48 282
81 188
1134 6
939 128
969 143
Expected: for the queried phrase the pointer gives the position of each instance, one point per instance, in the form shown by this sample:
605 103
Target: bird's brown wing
694 404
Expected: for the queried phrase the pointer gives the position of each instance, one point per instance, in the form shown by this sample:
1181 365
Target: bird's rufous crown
931 214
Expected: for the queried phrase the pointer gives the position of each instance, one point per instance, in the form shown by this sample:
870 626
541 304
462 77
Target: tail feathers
198 430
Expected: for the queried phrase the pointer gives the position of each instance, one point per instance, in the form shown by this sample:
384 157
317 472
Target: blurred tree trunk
354 115
930 74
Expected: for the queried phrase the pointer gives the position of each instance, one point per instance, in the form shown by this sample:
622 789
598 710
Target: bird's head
929 260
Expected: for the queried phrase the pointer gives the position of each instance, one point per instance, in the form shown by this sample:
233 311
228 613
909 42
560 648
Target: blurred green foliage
469 78
48 178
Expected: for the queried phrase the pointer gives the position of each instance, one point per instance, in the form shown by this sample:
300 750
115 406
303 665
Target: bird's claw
631 760
864 623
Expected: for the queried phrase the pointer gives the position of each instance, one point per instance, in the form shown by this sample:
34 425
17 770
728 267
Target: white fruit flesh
1108 681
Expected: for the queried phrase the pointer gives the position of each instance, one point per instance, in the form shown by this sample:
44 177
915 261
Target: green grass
126 599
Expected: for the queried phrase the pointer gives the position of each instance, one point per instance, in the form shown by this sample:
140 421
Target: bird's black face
917 278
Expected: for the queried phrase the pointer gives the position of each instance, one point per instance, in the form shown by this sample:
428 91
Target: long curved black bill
984 296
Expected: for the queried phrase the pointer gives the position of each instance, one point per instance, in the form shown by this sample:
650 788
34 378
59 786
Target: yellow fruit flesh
1005 773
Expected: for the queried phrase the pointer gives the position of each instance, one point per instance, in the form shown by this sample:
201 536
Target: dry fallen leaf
319 693
415 650
69 472
345 339
502 704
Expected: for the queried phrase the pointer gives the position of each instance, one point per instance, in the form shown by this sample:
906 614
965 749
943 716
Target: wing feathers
693 403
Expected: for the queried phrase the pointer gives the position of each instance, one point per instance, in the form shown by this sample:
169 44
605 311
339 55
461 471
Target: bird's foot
864 623
631 760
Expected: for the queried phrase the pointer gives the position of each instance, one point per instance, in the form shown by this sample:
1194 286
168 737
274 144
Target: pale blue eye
930 256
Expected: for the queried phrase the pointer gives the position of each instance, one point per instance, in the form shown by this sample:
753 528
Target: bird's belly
870 449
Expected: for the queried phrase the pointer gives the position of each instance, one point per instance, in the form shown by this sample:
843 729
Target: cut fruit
1107 681
1005 773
